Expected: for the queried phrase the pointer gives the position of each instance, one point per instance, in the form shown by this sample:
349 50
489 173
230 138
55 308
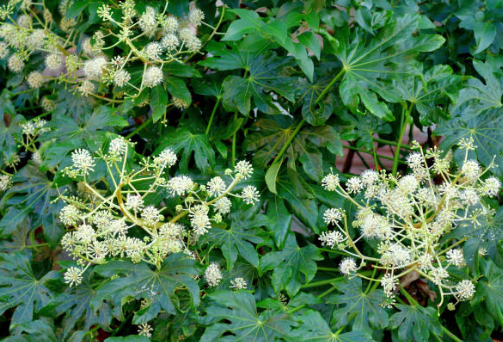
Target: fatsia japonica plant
251 170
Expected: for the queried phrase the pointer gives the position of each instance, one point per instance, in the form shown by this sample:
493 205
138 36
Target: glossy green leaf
159 101
415 322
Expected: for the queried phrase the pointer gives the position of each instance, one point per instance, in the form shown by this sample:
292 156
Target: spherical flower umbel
145 329
348 266
151 215
4 50
223 206
330 182
213 275
166 156
94 68
180 185
82 161
121 78
5 182
153 76
243 169
216 186
465 290
134 202
331 239
170 25
53 61
455 257
250 195
238 284
35 79
170 42
415 160
15 63
153 51
332 215
492 186
69 215
354 185
117 147
471 170
73 276
148 22
196 16
86 87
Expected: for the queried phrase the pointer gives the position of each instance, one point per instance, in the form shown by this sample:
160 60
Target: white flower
121 77
223 205
134 202
69 215
469 197
148 22
465 290
415 160
193 44
4 50
250 194
145 330
36 158
53 61
170 42
216 186
73 276
36 39
389 285
179 103
82 161
492 186
153 76
354 185
85 234
196 16
331 239
471 170
180 185
330 182
170 25
213 275
47 104
347 266
455 257
167 156
238 284
199 219
117 147
24 21
151 215
153 50
244 169
408 184
5 182
332 216
94 68
438 274
86 87
396 255
15 63
369 177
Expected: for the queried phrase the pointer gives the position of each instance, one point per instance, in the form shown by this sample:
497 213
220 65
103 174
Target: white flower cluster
100 223
408 216
36 34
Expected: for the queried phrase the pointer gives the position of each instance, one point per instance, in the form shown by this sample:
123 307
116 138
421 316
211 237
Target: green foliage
299 88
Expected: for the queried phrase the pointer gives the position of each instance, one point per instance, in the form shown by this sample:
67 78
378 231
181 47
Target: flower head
213 275
465 290
243 169
238 284
82 161
330 182
250 194
348 266
73 276
153 76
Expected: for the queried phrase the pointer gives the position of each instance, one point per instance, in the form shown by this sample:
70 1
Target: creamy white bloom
121 78
492 186
36 39
408 184
471 170
331 238
86 87
330 182
153 76
469 197
69 215
145 330
196 16
167 156
118 147
85 234
250 195
455 257
5 182
199 219
15 63
389 285
153 50
348 266
223 205
134 202
465 290
151 215
415 160
354 185
170 25
53 61
148 22
180 185
332 216
369 177
82 161
238 284
244 169
170 42
4 50
216 186
73 276
213 275
94 68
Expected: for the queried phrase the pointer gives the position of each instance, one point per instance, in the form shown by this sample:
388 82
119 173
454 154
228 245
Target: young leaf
291 266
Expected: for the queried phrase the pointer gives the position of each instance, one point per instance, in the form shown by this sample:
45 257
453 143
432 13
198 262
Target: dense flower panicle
196 16
94 68
121 78
87 87
455 257
53 61
238 284
15 63
167 156
134 202
348 266
5 182
35 79
223 206
153 76
180 185
213 275
170 42
70 215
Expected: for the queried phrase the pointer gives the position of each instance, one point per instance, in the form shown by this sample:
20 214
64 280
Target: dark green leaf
415 322
159 101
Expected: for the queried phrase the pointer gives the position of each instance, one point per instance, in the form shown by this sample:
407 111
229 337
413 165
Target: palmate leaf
314 328
141 281
353 301
238 239
21 288
35 331
368 67
183 140
264 76
415 323
33 193
8 144
292 266
235 318
486 129
489 291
